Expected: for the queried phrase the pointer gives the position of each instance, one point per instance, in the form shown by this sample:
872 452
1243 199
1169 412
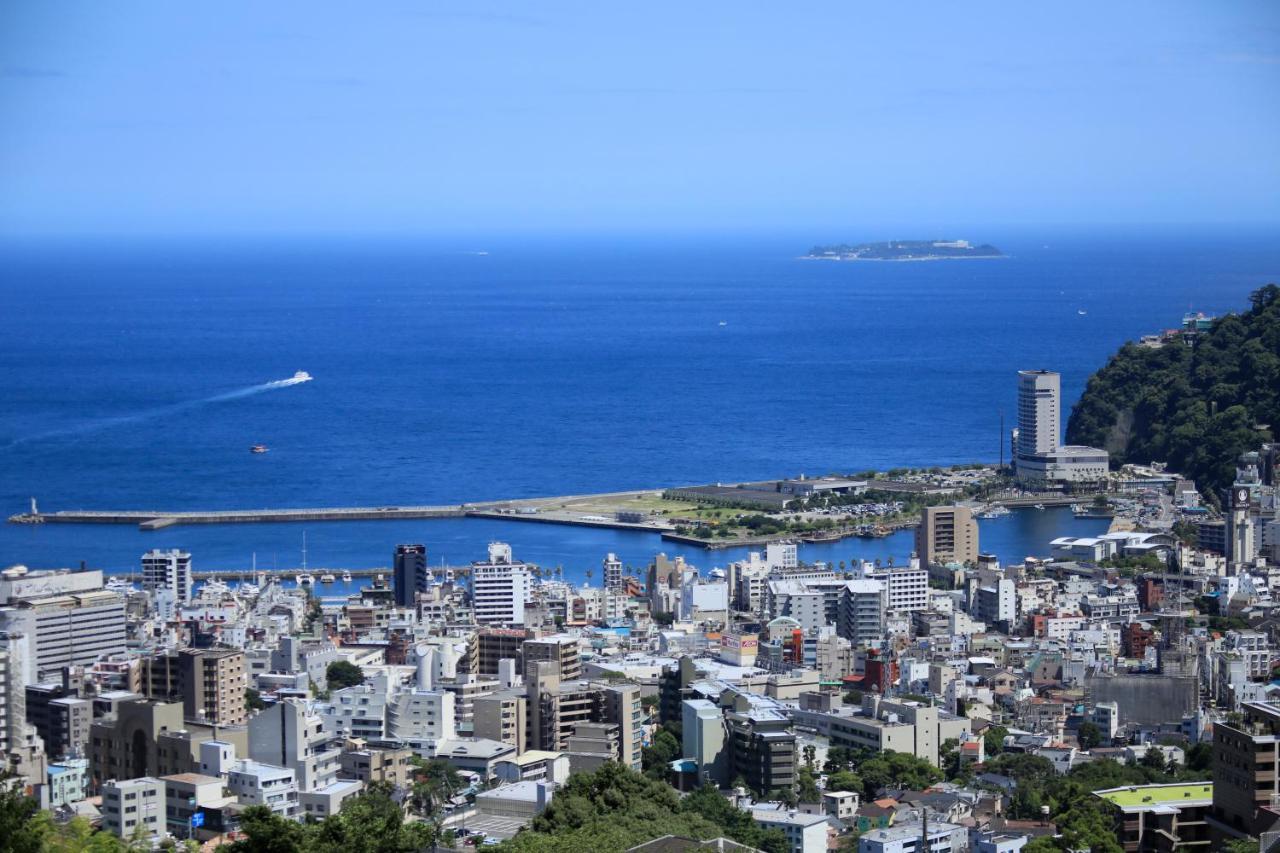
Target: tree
843 780
993 740
1089 735
253 700
341 674
21 833
897 770
807 787
656 757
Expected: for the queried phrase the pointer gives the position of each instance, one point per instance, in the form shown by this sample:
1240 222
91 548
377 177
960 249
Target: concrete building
69 619
947 534
705 740
323 802
556 707
288 734
500 588
210 683
475 755
906 838
145 738
1246 768
134 806
611 572
762 749
376 761
1161 817
806 833
359 711
185 794
863 604
257 784
409 574
997 604
68 782
563 651
169 570
886 726
1040 461
906 587
422 718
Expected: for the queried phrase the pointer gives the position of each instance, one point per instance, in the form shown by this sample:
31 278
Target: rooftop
1144 797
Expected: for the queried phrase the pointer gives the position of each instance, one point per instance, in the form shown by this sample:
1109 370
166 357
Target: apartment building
288 734
862 612
500 588
376 761
146 738
564 651
257 784
1161 817
134 806
886 726
1246 768
169 570
556 707
209 682
947 534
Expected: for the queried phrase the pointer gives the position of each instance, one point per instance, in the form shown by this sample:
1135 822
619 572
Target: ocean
132 377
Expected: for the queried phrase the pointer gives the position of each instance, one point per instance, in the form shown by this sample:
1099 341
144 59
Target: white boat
346 577
1039 506
304 579
247 589
302 376
327 577
121 586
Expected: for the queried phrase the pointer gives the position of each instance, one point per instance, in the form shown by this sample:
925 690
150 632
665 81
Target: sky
423 118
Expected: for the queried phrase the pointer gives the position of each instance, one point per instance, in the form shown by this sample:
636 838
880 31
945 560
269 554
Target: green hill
1196 407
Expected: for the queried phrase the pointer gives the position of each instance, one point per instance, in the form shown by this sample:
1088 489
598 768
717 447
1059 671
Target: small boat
1082 312
346 577
724 322
258 448
302 376
327 577
1039 506
304 579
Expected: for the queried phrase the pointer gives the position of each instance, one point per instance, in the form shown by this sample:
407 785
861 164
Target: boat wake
161 411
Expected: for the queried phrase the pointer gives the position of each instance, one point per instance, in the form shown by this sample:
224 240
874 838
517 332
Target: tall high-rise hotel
1039 460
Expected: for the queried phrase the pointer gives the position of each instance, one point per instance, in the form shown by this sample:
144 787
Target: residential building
906 838
1161 817
185 795
209 682
68 782
1246 768
359 711
556 706
258 784
376 761
563 651
134 807
806 833
762 749
500 588
323 802
409 574
705 740
947 534
611 572
863 604
288 734
169 570
422 718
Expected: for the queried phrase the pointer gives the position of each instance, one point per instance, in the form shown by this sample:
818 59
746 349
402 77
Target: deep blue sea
129 374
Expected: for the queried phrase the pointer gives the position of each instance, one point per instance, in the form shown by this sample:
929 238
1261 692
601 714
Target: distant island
904 250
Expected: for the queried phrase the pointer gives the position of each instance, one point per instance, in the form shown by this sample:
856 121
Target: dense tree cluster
1197 408
615 808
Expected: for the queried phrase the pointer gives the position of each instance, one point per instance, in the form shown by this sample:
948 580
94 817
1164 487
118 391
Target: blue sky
422 118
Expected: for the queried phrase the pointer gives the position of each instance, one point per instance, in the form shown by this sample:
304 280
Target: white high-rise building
612 572
1040 461
500 588
167 570
1038 418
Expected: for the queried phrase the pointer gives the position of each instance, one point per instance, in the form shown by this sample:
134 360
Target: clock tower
1241 543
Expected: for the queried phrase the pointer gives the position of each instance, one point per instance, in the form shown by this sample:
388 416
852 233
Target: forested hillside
1195 407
